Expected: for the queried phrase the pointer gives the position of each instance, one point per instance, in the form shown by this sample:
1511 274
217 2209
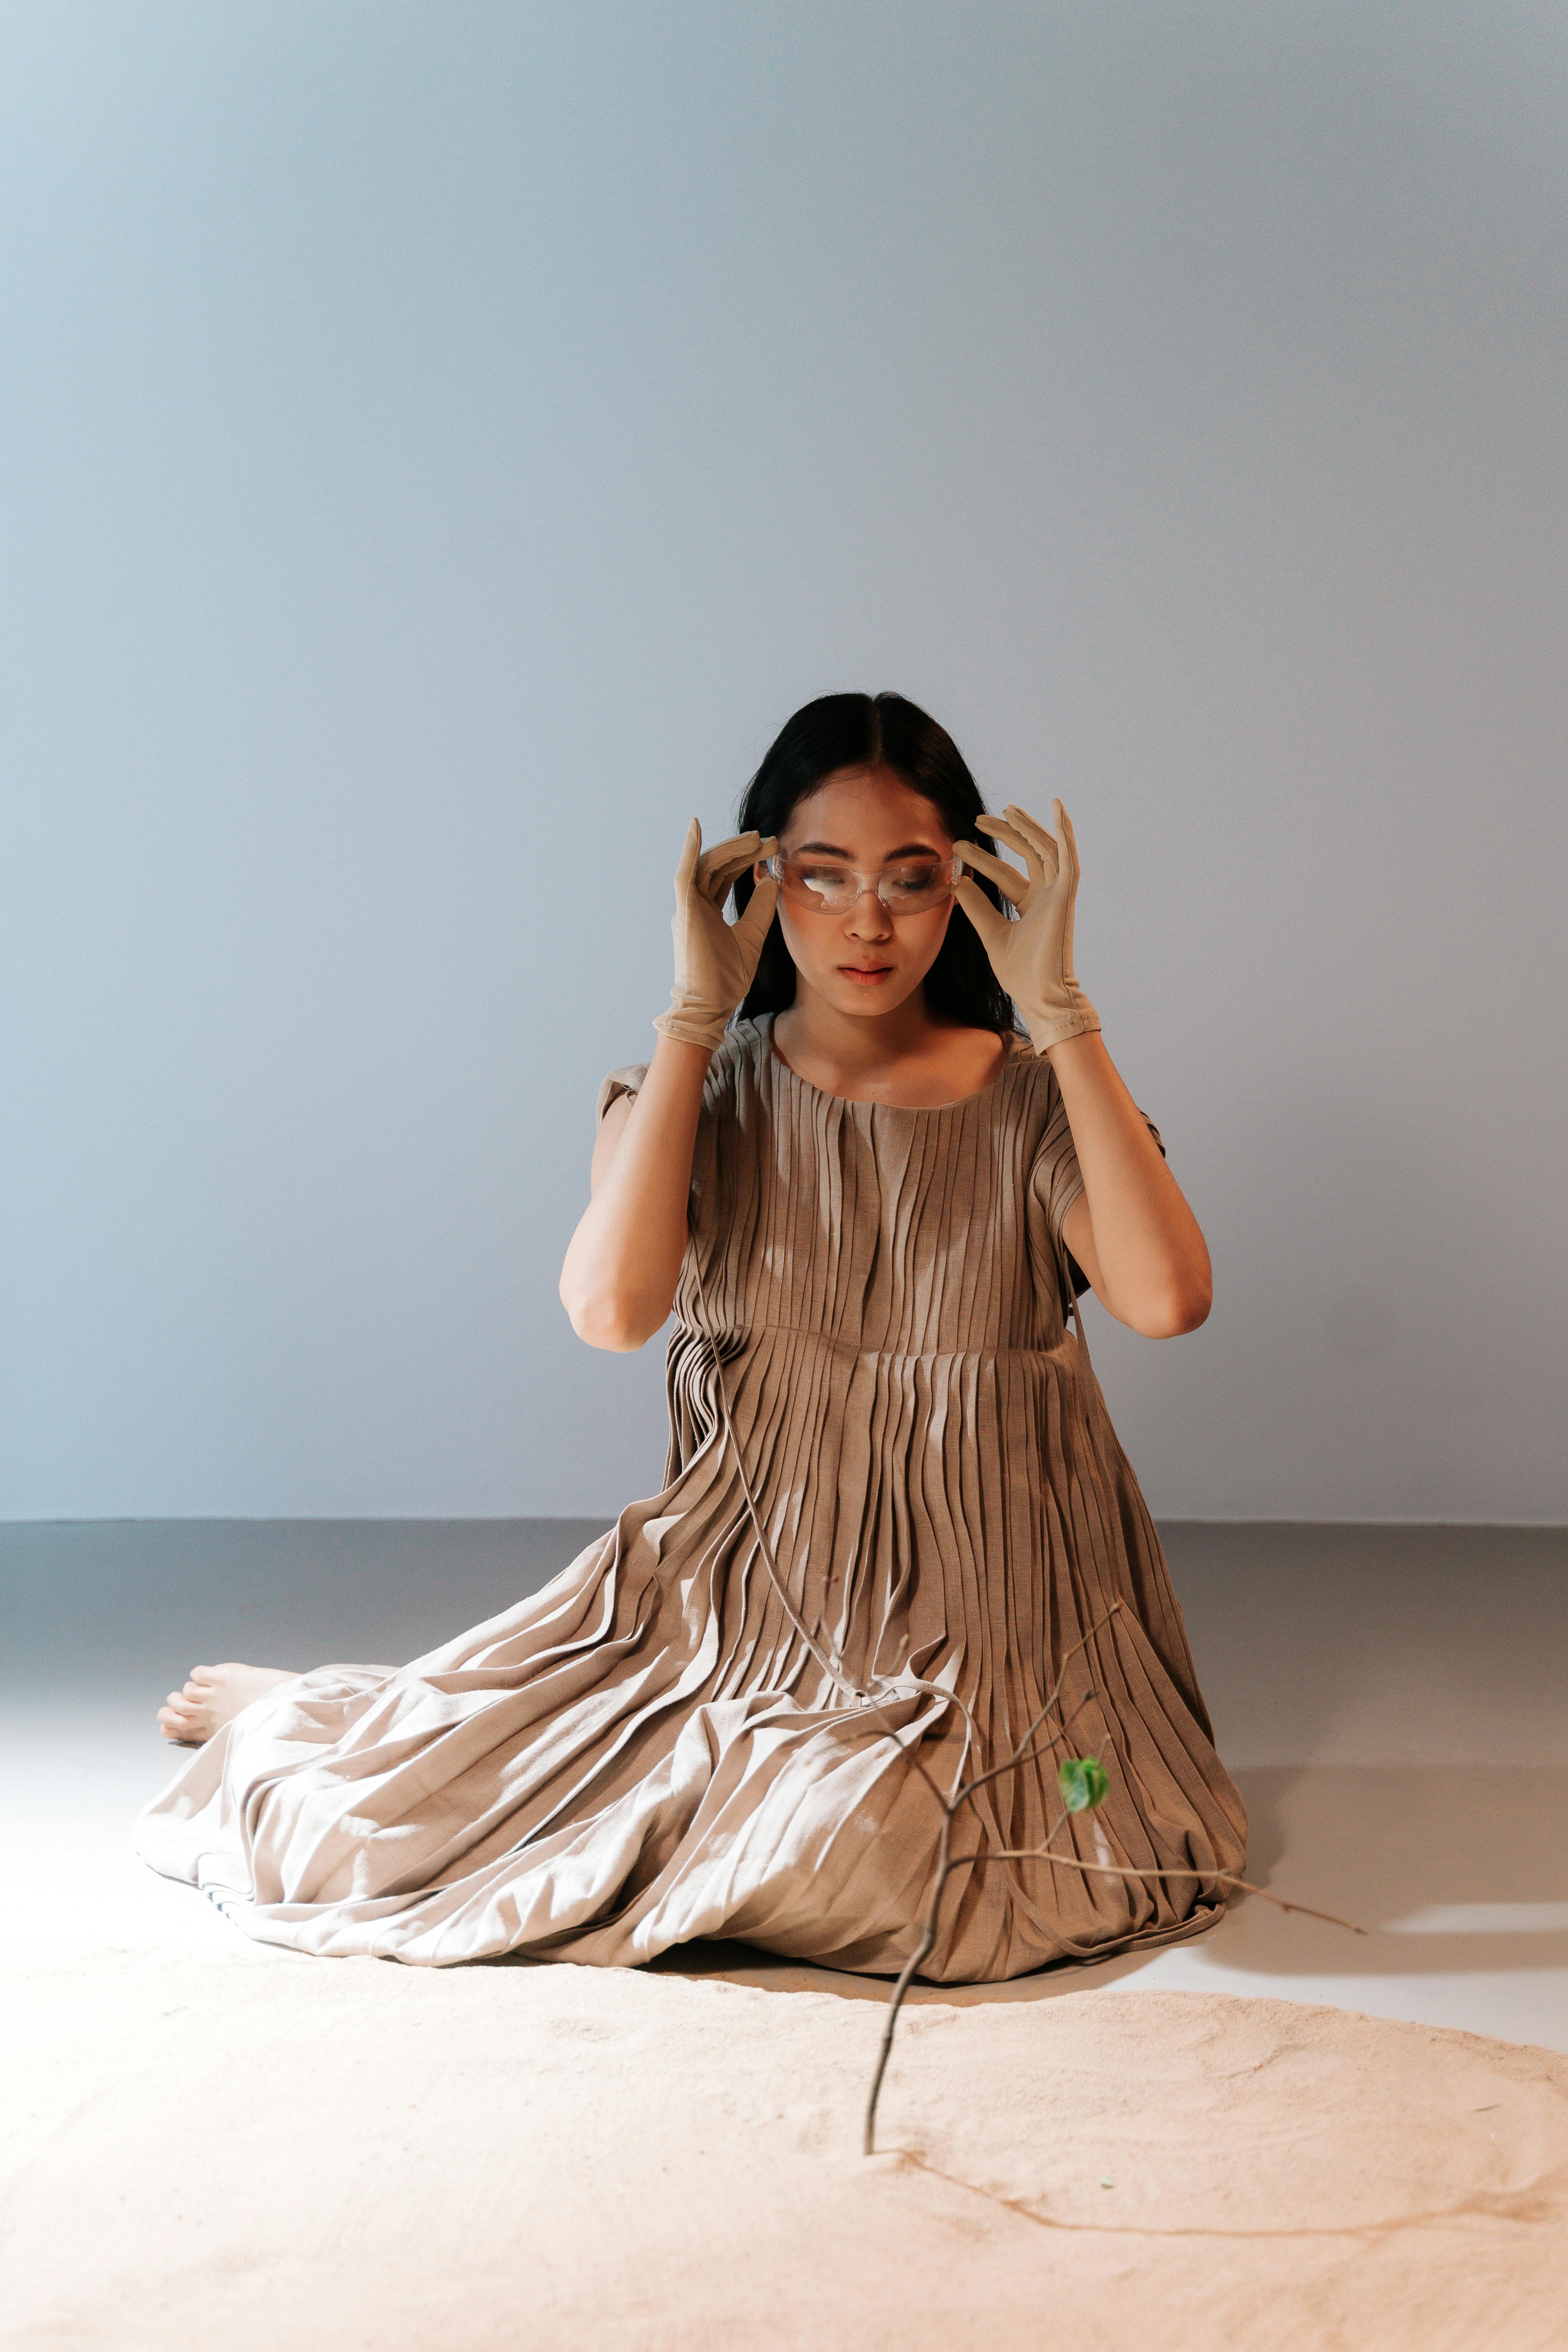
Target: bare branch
1114 1870
906 1977
960 1792
947 1863
1021 1750
1028 1755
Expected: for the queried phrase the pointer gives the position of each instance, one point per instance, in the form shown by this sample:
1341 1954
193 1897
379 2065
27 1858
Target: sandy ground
1312 2146
260 2150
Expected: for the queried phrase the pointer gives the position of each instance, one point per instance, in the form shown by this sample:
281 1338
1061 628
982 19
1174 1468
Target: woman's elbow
1177 1307
608 1322
597 1329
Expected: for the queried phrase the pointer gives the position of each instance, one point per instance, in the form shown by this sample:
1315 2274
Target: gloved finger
715 862
988 921
999 828
721 879
1007 878
753 928
718 868
1035 833
737 849
1008 832
691 850
1068 838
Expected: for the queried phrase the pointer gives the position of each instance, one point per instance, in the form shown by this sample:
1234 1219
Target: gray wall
442 443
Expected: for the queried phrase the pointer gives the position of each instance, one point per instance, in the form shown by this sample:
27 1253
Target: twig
1112 1870
928 1938
962 1789
947 1861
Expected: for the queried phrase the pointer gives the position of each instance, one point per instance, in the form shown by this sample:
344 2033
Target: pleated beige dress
650 1748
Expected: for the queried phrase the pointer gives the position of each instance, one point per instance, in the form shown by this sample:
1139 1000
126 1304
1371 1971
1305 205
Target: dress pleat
649 1749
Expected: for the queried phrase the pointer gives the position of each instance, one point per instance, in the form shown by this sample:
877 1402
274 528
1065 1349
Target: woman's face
863 961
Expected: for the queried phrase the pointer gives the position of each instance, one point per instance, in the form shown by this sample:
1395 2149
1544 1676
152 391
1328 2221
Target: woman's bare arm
1131 1230
617 1283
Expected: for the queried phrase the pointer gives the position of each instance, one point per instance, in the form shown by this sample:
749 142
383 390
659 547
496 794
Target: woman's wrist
1072 1044
683 1054
676 1075
703 1032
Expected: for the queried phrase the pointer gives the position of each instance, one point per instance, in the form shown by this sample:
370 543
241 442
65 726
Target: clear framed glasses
823 886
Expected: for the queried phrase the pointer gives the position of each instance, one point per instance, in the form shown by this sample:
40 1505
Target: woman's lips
866 972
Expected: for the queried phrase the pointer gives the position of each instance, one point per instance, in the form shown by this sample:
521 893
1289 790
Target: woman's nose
868 919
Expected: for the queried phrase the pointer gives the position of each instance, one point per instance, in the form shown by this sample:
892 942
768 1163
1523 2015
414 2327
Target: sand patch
353 2153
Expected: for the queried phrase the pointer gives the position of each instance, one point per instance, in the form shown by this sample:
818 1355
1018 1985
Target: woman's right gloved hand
715 962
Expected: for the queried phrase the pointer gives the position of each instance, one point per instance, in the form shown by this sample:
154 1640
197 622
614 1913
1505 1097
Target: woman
894 1514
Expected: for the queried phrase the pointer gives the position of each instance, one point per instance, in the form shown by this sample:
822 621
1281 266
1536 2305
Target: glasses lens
824 889
819 890
910 890
818 886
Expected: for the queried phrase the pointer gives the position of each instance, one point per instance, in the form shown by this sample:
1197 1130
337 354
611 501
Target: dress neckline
902 1110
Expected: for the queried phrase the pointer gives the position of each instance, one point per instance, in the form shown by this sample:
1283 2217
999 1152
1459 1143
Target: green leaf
1084 1782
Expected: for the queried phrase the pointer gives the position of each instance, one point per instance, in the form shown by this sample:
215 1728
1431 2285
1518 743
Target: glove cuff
689 1028
1048 1029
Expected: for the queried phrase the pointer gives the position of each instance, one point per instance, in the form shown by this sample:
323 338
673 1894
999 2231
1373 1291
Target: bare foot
213 1696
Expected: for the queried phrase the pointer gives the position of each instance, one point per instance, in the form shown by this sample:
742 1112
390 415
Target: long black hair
867 730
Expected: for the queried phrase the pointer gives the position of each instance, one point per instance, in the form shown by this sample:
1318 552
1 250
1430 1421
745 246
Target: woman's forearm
617 1282
1131 1232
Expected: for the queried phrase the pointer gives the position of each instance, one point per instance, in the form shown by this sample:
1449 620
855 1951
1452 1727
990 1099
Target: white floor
1394 1703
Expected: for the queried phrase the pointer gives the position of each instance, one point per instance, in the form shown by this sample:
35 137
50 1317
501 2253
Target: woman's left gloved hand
1031 957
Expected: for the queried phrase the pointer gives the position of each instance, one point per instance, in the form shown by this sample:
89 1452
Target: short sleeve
619 1082
1056 1179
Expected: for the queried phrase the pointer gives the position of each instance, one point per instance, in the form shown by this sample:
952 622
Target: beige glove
1032 957
714 960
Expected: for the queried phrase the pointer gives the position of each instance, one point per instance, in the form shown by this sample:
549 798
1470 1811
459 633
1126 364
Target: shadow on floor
1404 1850
1452 1868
